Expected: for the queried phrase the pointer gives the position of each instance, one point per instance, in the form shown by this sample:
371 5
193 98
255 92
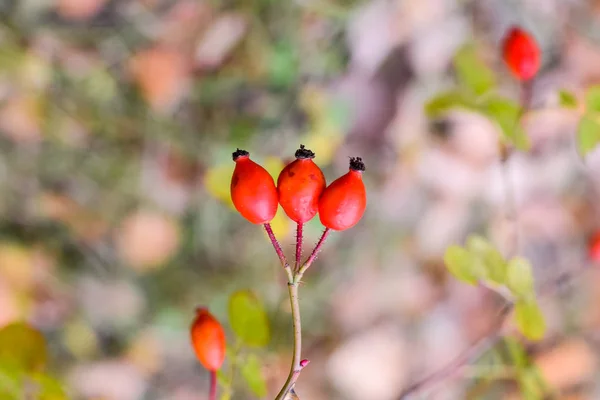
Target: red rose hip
343 202
208 340
521 53
300 185
253 190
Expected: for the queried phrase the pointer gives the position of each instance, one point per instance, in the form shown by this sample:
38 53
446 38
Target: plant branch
279 252
312 256
296 366
212 394
299 237
480 346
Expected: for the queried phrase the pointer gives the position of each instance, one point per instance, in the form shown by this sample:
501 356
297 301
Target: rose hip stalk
208 340
299 187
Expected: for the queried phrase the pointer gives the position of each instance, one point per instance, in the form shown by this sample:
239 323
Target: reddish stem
276 245
212 394
299 237
313 255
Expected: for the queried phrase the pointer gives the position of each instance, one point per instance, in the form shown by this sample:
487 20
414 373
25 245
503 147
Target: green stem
295 368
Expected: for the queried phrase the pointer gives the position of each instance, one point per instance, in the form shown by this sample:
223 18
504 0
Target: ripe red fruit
521 53
208 339
300 185
253 190
343 202
594 248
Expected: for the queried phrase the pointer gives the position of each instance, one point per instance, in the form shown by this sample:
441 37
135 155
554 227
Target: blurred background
117 123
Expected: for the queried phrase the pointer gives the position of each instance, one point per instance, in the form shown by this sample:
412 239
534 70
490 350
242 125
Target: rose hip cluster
301 190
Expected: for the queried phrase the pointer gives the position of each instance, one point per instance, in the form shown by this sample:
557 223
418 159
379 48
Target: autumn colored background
117 123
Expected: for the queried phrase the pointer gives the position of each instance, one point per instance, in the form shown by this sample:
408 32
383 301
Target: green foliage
23 346
567 99
248 318
472 72
446 101
506 113
283 65
460 264
588 134
490 259
592 99
519 277
252 374
530 319
480 261
23 356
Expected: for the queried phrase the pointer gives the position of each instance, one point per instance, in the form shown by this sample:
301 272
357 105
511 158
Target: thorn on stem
304 363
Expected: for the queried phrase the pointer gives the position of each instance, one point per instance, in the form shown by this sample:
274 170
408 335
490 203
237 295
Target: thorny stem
313 255
511 203
212 395
279 252
293 283
299 235
295 368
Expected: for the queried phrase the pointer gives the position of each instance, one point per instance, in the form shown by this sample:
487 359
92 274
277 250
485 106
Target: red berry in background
521 53
253 190
594 248
343 202
208 339
300 185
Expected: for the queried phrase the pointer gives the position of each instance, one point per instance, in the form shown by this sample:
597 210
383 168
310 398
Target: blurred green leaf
530 320
472 71
588 134
23 345
516 351
492 262
446 101
283 65
519 277
49 388
506 114
248 318
12 377
567 99
592 99
460 264
251 371
529 385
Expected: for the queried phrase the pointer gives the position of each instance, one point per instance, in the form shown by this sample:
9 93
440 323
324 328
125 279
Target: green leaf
460 264
588 134
506 114
252 374
516 351
519 277
567 99
23 346
472 72
446 101
530 320
592 99
529 385
248 318
48 388
283 65
492 262
12 378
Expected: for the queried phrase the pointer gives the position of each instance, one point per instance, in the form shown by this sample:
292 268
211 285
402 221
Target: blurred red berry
208 339
300 185
594 248
521 53
253 190
343 202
